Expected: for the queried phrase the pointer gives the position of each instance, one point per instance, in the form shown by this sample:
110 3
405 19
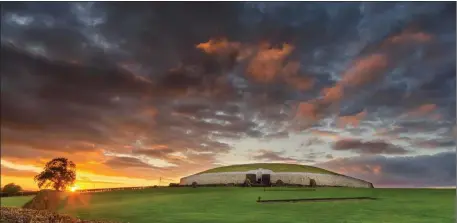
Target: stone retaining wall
291 178
297 178
215 178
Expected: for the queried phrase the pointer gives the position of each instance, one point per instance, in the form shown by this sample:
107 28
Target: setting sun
74 188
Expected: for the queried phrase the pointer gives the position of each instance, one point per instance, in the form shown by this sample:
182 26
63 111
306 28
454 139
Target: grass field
239 205
276 167
15 201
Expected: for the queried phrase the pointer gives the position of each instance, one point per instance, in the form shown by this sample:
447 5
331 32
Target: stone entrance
266 179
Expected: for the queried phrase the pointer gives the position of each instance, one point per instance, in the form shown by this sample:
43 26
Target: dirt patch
317 199
20 215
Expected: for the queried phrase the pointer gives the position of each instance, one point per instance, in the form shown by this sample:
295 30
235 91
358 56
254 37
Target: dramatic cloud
6 171
353 120
123 162
424 170
176 87
368 147
271 156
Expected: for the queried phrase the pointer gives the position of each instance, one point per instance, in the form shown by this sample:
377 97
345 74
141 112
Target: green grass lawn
222 204
15 201
276 167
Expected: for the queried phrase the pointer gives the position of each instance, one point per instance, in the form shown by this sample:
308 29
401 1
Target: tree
58 174
11 189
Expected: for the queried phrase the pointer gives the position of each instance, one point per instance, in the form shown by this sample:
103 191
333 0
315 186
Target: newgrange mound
273 174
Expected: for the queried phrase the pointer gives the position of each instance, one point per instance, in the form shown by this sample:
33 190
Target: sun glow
74 188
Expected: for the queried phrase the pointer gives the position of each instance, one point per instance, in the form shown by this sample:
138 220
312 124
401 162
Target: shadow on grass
290 189
317 199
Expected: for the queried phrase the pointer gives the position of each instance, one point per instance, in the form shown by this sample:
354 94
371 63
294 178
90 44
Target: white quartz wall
337 180
215 178
290 178
286 177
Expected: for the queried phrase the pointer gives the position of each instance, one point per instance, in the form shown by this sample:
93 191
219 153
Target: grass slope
276 167
238 205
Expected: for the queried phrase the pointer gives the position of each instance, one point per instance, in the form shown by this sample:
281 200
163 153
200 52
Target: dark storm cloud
420 171
368 147
83 77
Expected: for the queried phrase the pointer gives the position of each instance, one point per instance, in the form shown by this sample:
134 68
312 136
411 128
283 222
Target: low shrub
11 189
279 183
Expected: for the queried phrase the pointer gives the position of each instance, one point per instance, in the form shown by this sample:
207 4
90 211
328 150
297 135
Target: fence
115 189
27 193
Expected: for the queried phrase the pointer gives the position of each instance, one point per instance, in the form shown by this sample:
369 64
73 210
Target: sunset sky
135 92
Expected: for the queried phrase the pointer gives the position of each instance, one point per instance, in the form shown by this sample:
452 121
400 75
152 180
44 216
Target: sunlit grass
227 205
234 204
15 201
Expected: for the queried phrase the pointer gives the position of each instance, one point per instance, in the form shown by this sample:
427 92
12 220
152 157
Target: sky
145 93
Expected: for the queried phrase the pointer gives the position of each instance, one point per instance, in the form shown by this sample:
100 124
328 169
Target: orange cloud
300 83
365 70
308 110
291 69
362 71
423 109
268 62
218 46
333 94
376 169
149 112
407 36
290 74
352 120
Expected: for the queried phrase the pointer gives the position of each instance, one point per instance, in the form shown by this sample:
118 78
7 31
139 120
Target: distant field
234 204
276 167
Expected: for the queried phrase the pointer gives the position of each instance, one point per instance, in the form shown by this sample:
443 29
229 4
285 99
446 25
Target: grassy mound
46 200
276 167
